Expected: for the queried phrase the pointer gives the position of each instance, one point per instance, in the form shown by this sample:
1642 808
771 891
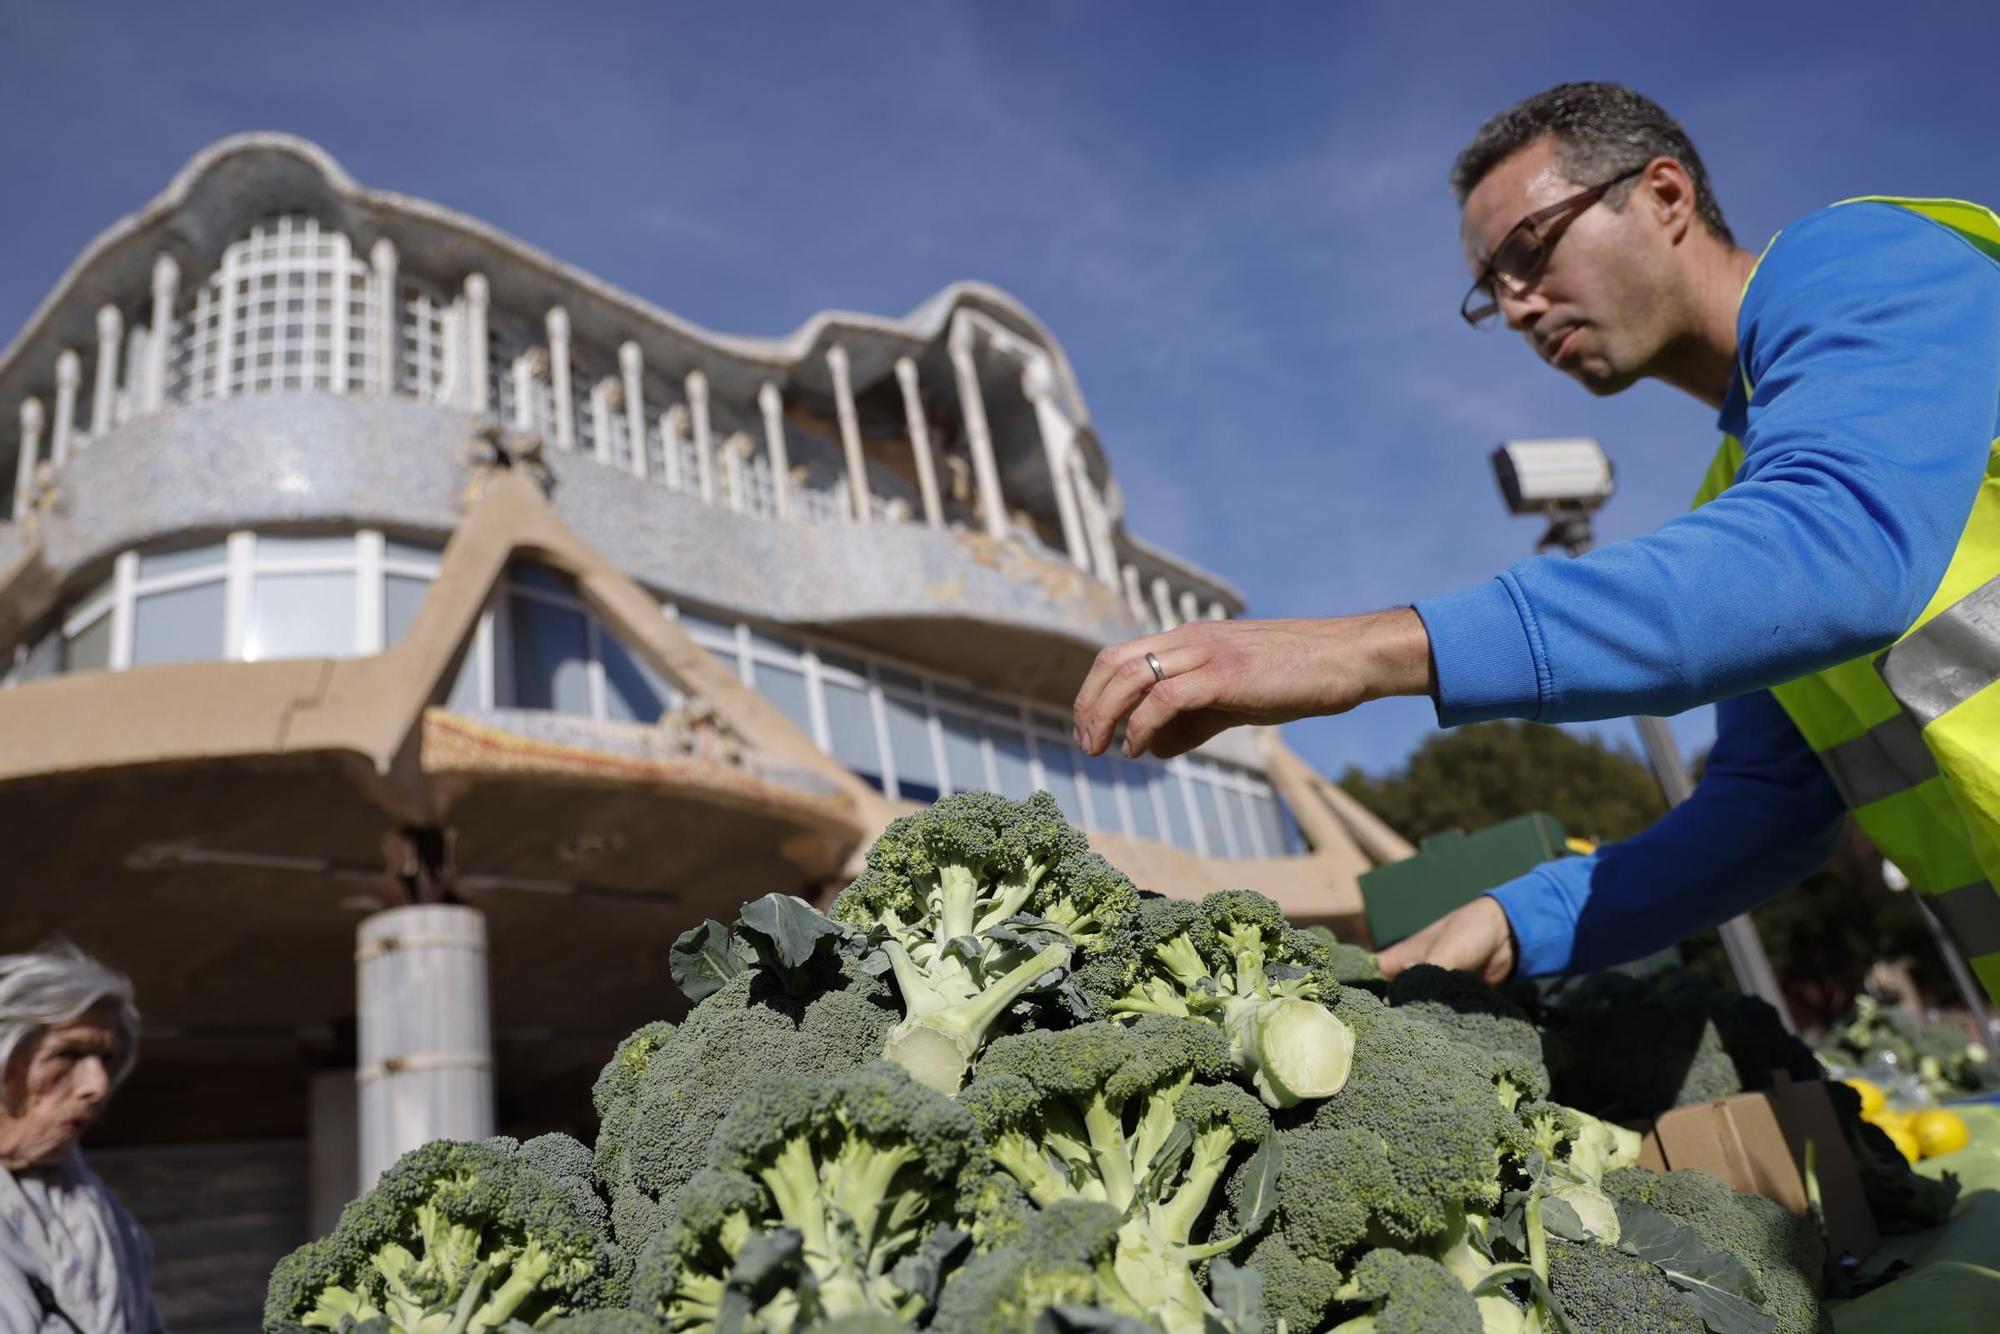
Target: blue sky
1234 216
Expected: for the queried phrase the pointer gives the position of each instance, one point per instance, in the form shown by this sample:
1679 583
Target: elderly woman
71 1258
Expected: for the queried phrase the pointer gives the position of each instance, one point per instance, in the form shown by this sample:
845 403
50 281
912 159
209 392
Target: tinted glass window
551 657
632 693
182 626
786 688
910 747
301 616
850 730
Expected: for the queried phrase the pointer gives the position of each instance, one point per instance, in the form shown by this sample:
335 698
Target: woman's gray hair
58 983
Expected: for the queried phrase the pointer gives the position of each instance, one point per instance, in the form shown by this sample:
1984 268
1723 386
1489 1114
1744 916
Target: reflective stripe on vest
1911 736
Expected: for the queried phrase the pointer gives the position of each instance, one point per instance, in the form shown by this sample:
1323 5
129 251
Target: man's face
55 1086
1601 310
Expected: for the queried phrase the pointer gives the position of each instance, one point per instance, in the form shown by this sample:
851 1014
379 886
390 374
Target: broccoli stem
1178 1215
1538 1256
957 902
1110 1152
1180 958
526 1274
1290 1049
937 1046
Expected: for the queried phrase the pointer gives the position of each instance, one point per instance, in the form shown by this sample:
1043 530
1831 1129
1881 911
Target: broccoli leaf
704 957
1088 1320
1721 1286
787 935
1238 1294
1260 1187
922 1271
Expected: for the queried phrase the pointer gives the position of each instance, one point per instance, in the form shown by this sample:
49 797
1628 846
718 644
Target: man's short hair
1600 130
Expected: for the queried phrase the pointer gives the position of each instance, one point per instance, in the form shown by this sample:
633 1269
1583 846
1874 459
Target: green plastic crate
1453 868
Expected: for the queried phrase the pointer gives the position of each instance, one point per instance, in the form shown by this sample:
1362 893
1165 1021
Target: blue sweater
1872 337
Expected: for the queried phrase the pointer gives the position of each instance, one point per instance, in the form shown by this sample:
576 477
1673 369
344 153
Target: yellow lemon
1905 1142
1938 1131
1871 1093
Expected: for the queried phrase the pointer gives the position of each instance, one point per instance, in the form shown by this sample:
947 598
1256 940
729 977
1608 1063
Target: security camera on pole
1566 481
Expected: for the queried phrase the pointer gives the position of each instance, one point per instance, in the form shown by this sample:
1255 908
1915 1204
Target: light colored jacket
33 1299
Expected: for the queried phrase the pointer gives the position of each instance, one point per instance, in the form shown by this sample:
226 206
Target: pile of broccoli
997 1088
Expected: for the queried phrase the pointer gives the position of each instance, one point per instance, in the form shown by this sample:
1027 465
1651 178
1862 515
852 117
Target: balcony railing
291 307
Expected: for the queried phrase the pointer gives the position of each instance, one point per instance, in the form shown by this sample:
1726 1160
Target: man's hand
1475 938
1222 674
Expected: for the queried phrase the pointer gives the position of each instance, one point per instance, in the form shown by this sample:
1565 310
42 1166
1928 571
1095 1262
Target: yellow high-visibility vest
1911 735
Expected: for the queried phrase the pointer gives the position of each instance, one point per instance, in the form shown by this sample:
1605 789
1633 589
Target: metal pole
1969 991
1747 961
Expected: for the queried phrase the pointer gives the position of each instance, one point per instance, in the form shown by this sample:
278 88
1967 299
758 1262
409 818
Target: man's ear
1667 192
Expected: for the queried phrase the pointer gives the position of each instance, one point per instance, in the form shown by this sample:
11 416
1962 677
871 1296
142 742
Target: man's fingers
1123 678
1163 704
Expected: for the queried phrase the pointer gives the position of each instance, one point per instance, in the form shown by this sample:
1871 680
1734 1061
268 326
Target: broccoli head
1785 1252
823 1199
462 1236
1233 961
1351 965
1402 1292
1463 1005
1062 1255
667 1088
1602 1290
1143 1119
972 905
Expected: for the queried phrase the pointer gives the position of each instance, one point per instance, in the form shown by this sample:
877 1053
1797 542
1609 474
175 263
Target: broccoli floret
1417 1137
1602 1290
1464 1006
1061 1255
1298 1290
1350 965
1784 1251
1140 1118
817 1193
618 1321
667 1089
479 1231
1233 961
973 904
1406 1293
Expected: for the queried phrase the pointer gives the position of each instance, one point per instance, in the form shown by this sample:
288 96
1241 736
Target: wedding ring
1159 672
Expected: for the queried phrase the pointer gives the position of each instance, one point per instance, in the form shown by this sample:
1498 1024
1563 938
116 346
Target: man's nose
92 1080
1521 312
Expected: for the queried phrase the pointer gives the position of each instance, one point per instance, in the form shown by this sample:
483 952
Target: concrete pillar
134 391
29 457
1217 612
1134 599
704 441
673 432
1163 603
166 285
523 374
850 434
560 405
920 442
69 374
771 403
1096 523
333 1136
1190 606
735 454
992 505
104 392
220 383
477 298
425 1035
604 398
1038 382
631 369
388 312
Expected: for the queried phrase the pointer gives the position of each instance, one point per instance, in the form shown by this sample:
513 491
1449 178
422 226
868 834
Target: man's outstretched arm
1763 817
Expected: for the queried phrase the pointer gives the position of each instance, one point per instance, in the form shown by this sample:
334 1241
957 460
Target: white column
1217 612
342 378
1190 606
134 392
69 374
1134 599
850 434
166 283
601 395
704 442
426 1042
972 404
673 431
559 397
1096 523
382 259
30 455
920 442
477 298
523 372
772 405
104 393
1038 382
451 340
735 453
219 383
632 366
1163 602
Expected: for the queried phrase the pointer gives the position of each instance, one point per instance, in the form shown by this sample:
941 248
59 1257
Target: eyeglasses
1524 252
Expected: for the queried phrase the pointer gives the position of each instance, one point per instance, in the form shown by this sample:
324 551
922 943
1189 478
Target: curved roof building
353 552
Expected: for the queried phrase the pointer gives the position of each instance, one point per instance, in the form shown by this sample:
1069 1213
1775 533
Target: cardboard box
1757 1143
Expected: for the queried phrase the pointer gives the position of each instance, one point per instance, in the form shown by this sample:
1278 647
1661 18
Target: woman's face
55 1086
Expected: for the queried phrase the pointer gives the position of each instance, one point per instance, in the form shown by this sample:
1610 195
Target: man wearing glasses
1836 592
